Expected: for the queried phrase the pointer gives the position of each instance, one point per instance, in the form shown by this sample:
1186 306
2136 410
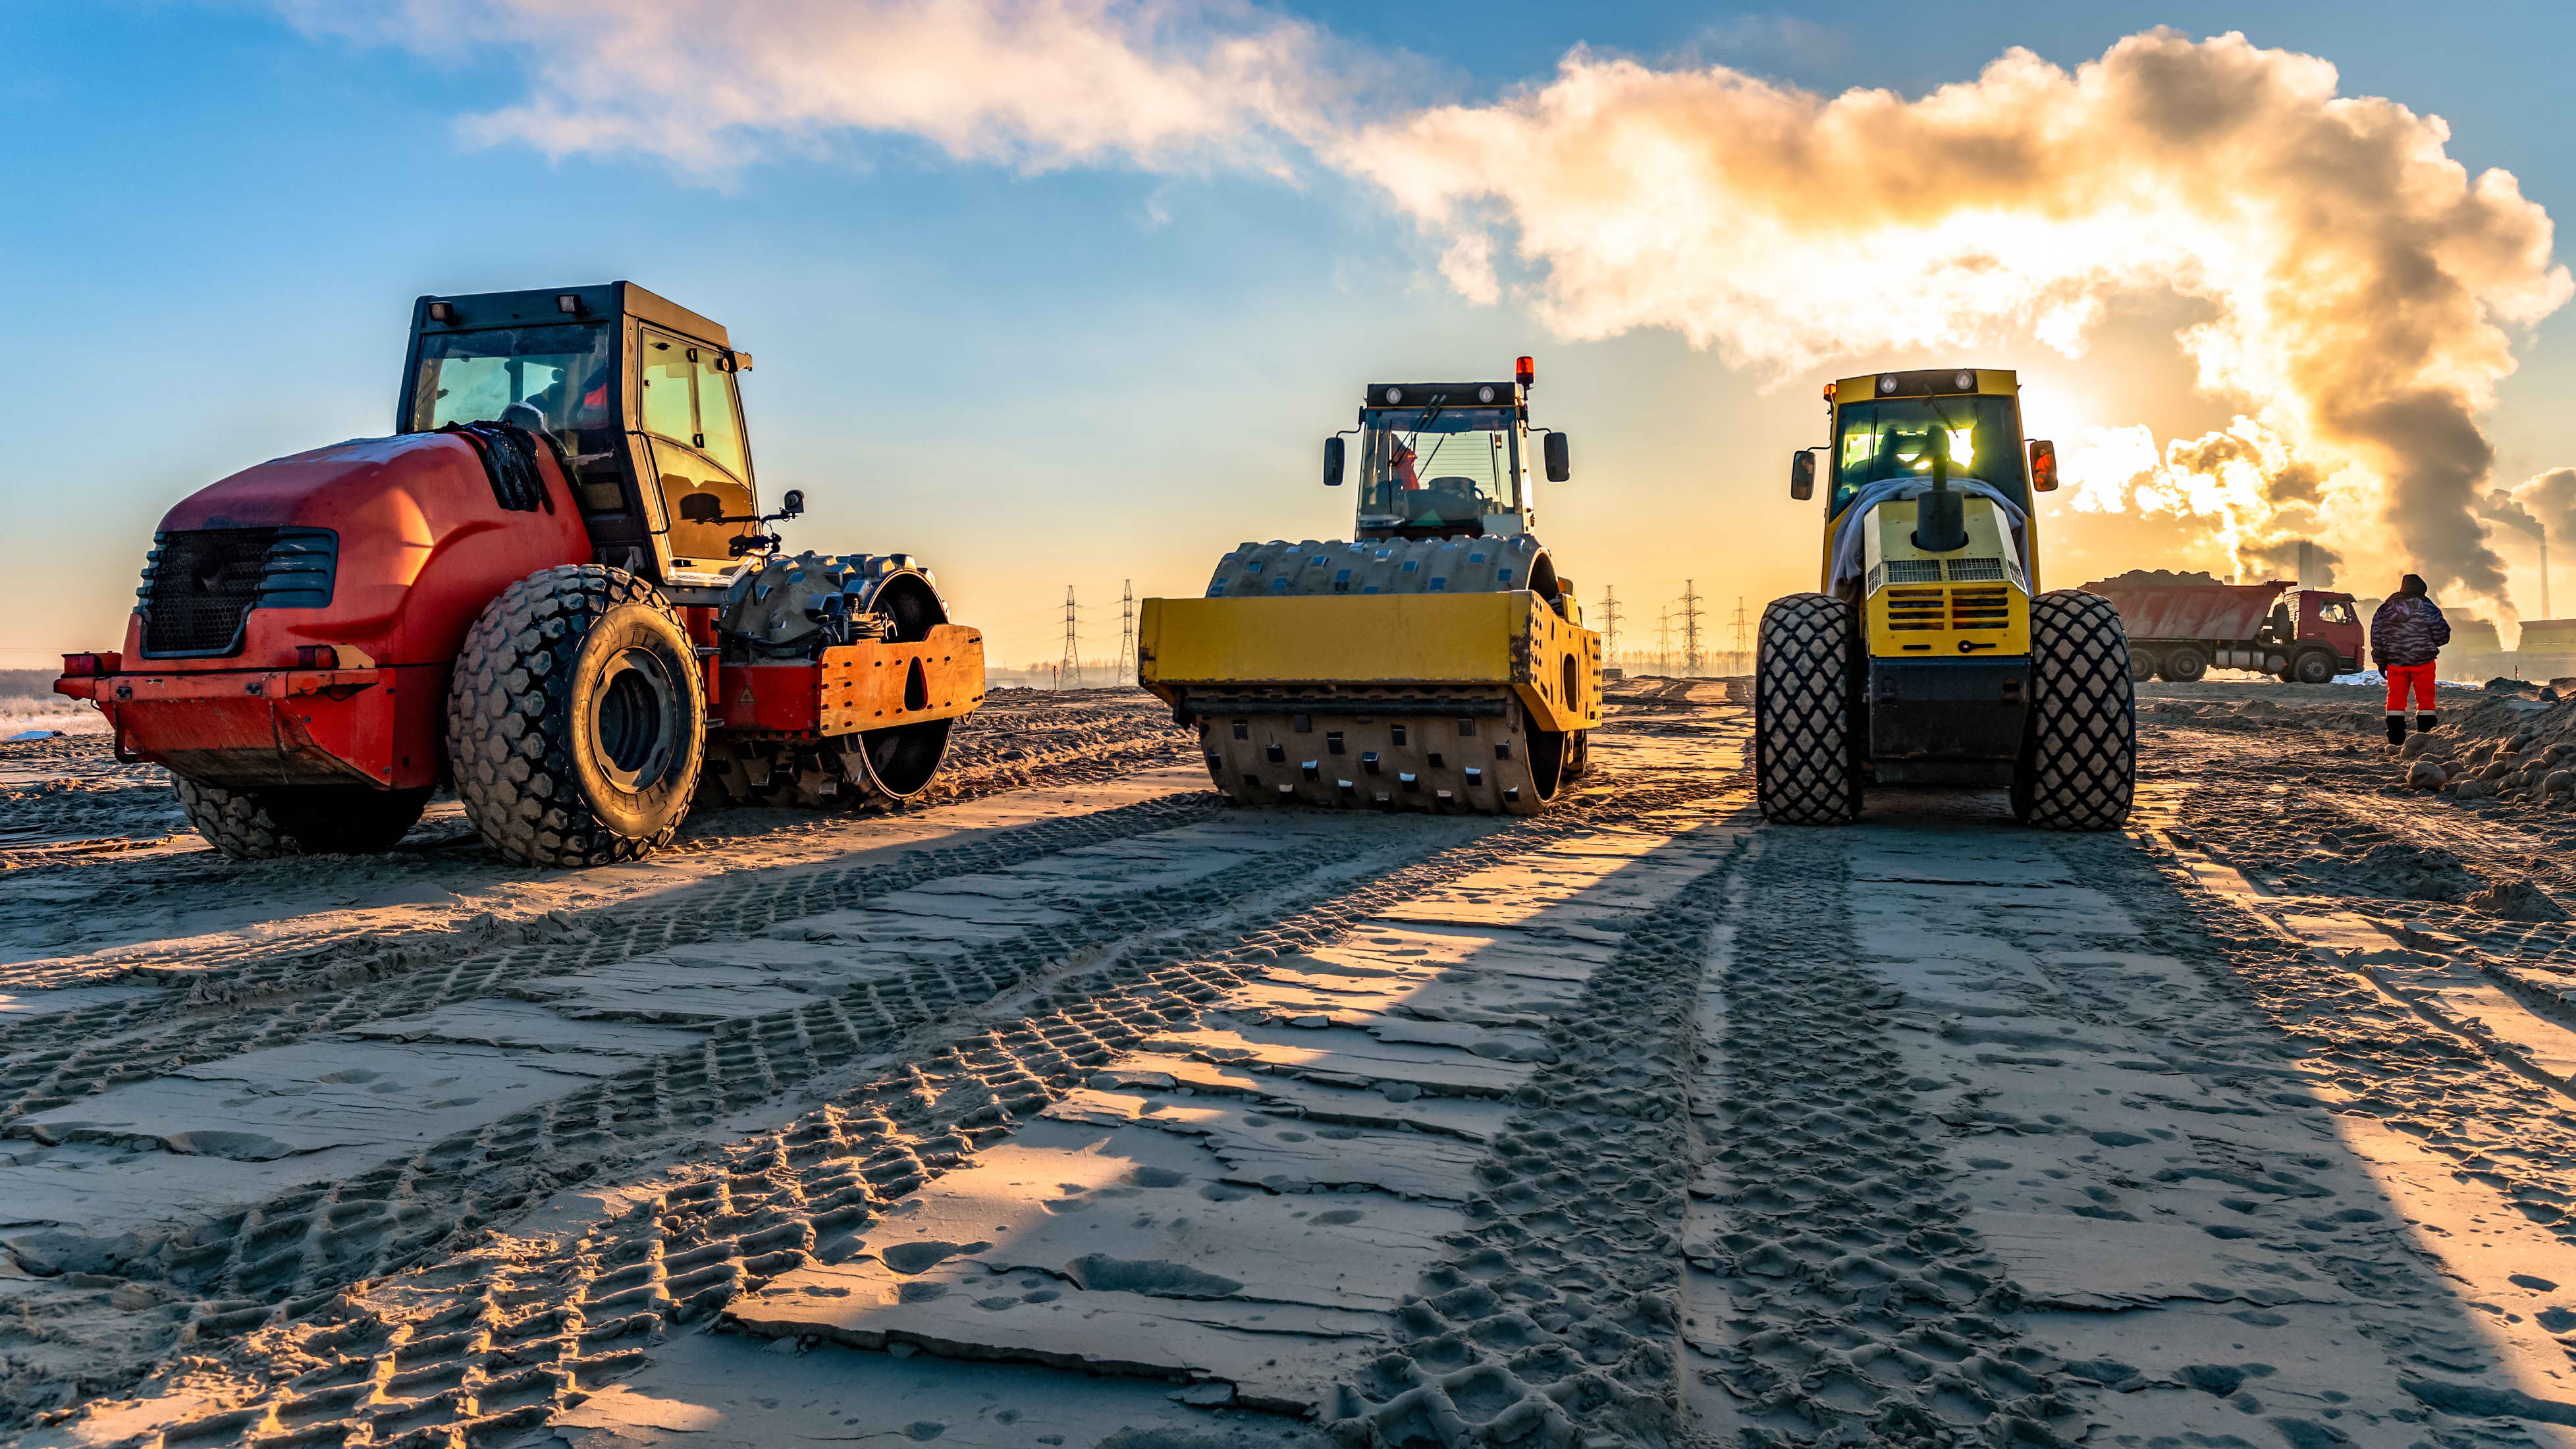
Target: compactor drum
1435 661
553 586
1930 657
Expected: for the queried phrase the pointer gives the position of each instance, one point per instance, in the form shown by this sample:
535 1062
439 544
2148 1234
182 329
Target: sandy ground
1082 1109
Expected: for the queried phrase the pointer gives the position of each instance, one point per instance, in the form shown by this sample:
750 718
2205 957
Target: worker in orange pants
2406 636
2401 679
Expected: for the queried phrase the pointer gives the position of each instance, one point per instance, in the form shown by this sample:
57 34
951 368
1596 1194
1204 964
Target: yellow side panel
1500 640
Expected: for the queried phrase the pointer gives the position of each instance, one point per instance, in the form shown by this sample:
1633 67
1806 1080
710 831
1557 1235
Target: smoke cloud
2359 281
709 85
2361 288
2547 501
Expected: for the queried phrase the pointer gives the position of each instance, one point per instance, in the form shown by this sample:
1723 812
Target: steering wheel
1455 499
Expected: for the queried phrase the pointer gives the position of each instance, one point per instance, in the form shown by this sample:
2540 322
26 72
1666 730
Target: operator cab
1447 459
637 392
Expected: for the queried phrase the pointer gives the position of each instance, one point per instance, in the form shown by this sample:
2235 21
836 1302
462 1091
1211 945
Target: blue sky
1081 376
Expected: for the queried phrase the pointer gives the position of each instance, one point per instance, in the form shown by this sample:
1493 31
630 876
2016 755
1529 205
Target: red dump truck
2181 627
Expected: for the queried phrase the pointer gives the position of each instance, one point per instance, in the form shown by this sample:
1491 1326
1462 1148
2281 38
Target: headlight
1485 394
1965 382
1887 382
1395 395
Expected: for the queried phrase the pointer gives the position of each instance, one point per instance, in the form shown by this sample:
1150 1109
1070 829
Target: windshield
1882 440
560 370
1435 465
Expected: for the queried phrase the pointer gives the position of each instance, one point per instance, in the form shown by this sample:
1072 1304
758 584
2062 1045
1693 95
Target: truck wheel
2079 758
276 820
1803 765
576 721
2143 663
2185 665
2313 666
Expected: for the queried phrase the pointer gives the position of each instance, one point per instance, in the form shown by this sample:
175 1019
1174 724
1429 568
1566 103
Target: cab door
695 460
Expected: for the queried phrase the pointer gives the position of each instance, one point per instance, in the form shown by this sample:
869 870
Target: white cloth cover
1847 535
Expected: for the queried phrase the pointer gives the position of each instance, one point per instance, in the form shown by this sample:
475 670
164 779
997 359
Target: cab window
719 419
695 494
1877 441
665 371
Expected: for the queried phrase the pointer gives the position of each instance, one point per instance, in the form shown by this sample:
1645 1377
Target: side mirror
793 504
1560 464
1802 474
1332 462
2043 465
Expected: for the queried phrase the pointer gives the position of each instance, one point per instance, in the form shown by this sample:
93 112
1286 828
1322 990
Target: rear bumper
1947 710
246 728
1438 654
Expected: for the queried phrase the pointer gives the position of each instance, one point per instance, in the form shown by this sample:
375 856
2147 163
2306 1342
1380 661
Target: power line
1690 628
1071 669
1610 623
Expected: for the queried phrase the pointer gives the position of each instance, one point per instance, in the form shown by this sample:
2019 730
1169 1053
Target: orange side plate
860 686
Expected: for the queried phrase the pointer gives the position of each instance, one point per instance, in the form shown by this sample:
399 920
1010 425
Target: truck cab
1448 459
2320 616
639 397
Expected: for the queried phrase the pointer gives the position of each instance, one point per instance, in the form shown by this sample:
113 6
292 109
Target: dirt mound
2516 900
2154 579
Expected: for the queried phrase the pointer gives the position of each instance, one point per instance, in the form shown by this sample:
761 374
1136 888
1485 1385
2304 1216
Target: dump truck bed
2191 611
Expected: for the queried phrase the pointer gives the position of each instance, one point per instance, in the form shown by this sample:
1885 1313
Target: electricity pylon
1690 629
1127 632
1070 671
1610 624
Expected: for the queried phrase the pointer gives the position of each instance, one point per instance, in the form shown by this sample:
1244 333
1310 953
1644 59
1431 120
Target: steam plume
2359 280
2360 283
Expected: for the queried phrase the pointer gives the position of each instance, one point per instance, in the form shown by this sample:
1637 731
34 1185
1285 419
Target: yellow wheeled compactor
1433 661
1931 656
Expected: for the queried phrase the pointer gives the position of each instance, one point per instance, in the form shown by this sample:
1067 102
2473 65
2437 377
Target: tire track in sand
1835 1295
499 1339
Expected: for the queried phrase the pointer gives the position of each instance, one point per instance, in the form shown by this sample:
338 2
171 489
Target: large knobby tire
2079 759
1805 765
269 821
576 721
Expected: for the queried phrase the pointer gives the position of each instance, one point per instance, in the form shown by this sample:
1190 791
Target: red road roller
554 586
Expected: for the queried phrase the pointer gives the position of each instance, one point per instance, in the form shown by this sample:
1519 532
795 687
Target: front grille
1976 570
199 586
1914 571
1914 608
1980 608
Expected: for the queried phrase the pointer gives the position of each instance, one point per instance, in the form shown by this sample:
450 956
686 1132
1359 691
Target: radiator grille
1914 571
1976 570
1914 608
200 585
1984 608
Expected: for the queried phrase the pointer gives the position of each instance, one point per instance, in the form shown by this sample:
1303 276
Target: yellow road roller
1931 656
1435 660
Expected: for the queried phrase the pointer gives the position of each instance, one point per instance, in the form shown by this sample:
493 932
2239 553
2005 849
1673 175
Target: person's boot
2396 730
2424 723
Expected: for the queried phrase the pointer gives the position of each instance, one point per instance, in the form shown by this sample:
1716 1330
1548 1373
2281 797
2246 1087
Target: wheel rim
630 725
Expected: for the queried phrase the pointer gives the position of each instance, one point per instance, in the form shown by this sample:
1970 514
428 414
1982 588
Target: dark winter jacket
2408 629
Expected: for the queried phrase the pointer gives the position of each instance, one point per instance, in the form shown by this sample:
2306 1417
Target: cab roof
1923 382
1506 393
475 311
